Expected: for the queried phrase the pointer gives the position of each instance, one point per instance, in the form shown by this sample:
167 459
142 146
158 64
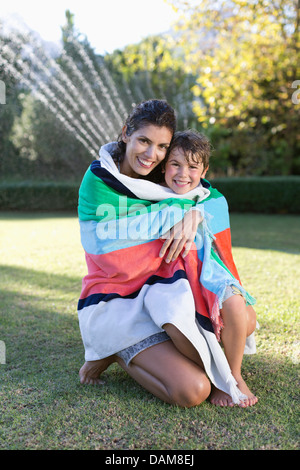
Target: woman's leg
239 322
183 344
162 370
169 375
90 372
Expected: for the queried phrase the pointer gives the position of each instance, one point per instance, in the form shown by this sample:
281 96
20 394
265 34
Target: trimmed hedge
280 195
268 194
35 196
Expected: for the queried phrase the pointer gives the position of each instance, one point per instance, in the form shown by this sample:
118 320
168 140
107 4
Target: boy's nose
182 171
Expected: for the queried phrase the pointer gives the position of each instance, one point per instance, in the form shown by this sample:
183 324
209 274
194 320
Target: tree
69 109
246 58
10 108
154 68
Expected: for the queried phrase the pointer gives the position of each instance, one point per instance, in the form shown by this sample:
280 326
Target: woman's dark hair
156 112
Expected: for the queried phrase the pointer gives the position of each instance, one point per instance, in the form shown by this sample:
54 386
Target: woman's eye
163 148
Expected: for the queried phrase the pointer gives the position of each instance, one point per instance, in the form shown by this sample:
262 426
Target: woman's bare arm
181 236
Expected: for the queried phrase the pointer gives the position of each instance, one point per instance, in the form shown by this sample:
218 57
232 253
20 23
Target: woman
149 347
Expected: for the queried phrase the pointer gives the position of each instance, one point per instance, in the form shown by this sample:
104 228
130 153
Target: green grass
43 405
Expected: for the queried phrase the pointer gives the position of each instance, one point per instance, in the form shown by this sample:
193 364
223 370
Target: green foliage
228 69
47 196
269 195
8 111
247 69
46 149
39 134
251 152
155 68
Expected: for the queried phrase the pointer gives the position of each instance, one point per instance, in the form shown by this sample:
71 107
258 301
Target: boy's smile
182 175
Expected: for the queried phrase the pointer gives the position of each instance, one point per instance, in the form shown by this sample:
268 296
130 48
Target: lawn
43 405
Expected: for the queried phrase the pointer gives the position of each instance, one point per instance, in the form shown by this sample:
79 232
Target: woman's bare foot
91 370
220 398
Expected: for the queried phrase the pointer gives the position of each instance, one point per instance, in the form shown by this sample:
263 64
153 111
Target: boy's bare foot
91 370
220 398
252 399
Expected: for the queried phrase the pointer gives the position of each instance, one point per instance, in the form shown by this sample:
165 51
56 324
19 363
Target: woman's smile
145 163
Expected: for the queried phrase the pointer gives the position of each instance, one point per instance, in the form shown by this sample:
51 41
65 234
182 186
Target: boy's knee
251 320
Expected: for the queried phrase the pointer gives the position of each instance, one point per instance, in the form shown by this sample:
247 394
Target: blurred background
229 68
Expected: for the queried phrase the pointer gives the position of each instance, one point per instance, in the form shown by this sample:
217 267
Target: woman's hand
182 235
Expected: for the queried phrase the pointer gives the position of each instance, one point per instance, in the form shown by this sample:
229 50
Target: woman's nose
151 151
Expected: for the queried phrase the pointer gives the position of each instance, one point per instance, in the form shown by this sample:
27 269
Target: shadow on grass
42 396
15 276
39 322
40 327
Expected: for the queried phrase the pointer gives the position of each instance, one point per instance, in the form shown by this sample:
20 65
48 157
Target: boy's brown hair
195 146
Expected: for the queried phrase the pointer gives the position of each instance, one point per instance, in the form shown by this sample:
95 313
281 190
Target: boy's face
181 175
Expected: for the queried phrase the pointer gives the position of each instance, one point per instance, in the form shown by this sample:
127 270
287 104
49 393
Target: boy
186 164
188 161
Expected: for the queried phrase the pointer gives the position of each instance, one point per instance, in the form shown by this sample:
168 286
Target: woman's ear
124 135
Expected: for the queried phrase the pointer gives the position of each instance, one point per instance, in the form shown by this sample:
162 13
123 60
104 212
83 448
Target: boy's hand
182 235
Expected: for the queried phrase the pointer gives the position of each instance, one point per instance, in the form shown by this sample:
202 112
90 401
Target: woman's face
145 149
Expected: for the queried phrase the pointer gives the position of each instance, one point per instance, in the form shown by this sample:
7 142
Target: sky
108 24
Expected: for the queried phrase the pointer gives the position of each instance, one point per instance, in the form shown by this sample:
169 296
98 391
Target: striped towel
130 292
